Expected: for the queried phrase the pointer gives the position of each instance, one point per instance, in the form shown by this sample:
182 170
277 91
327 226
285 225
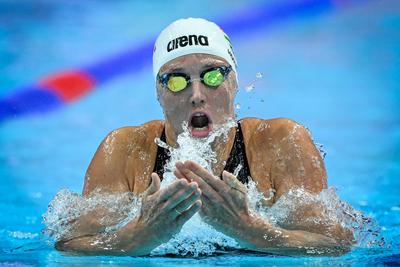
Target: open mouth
200 124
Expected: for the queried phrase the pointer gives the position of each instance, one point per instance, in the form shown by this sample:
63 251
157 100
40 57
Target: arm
298 164
261 236
157 221
225 202
226 209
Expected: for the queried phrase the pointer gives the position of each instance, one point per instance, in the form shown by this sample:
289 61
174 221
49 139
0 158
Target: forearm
123 242
264 237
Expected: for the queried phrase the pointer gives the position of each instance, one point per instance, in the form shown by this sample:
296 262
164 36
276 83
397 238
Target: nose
197 98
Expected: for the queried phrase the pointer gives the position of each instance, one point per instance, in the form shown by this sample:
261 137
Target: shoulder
136 133
277 130
289 149
125 138
113 159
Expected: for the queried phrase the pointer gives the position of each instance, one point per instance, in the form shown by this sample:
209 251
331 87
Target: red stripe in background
68 85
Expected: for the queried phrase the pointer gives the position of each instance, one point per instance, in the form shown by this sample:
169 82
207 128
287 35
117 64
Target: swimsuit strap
161 158
236 157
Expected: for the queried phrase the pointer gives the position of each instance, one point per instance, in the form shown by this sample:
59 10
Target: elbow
344 240
344 236
60 245
66 246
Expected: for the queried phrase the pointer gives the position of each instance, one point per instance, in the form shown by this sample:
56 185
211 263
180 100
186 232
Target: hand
225 204
164 212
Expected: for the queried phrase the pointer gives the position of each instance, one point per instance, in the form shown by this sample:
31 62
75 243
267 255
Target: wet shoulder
129 137
264 139
124 158
141 151
285 150
260 132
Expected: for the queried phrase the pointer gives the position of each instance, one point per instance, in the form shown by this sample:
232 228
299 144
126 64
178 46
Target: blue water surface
334 70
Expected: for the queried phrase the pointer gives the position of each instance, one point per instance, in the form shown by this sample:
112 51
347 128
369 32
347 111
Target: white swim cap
189 36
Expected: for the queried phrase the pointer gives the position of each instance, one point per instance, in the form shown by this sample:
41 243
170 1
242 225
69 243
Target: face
201 106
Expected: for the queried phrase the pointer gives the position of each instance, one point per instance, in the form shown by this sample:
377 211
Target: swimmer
195 72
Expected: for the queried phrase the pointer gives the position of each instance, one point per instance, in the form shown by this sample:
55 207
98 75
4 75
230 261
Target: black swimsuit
236 157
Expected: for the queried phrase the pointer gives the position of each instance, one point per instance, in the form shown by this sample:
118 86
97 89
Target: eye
176 83
213 77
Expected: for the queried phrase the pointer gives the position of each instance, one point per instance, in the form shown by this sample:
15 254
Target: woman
195 70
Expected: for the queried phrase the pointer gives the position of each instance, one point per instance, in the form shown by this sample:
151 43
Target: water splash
195 149
20 234
237 170
291 207
112 211
321 149
196 237
319 146
251 86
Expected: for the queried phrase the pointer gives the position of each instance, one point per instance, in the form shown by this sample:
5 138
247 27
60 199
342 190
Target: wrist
257 233
136 239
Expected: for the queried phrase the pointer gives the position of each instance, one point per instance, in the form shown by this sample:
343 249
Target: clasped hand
225 204
221 203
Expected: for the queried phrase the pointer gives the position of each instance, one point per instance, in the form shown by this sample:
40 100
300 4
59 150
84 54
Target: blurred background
332 66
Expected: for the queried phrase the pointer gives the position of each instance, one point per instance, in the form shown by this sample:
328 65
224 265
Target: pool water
336 72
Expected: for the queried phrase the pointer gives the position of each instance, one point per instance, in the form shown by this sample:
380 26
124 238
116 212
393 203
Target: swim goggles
177 82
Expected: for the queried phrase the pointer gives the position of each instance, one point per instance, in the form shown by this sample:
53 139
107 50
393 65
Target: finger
180 196
233 182
179 175
179 166
154 186
187 214
170 190
210 179
188 202
207 190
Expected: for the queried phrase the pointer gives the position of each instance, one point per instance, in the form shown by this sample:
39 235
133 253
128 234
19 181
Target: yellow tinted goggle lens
213 78
176 83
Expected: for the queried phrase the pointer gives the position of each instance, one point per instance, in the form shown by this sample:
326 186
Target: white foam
67 206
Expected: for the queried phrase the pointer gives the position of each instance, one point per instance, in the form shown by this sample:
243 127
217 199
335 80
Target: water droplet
237 169
237 106
250 87
259 75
